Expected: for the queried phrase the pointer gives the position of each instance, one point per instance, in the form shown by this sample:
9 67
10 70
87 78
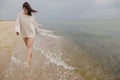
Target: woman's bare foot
26 64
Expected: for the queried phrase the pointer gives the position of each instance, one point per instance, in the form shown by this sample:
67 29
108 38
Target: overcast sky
63 9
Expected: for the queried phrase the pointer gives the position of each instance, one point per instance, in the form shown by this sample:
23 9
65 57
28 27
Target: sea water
97 40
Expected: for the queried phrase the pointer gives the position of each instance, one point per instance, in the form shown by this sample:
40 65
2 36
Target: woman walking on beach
27 26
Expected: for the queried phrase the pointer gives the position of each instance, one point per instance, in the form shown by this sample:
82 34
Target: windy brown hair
27 6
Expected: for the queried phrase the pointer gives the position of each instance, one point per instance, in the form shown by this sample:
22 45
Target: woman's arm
17 25
36 25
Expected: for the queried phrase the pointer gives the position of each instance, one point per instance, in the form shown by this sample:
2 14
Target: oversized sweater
26 25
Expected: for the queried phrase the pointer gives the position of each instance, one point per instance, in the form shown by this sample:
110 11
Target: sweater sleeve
17 24
36 24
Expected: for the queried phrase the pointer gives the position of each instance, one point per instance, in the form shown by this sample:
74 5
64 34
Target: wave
48 33
55 56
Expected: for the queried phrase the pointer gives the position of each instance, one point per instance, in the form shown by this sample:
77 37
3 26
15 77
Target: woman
28 27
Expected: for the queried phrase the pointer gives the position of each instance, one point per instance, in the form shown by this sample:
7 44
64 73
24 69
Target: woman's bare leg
29 42
25 40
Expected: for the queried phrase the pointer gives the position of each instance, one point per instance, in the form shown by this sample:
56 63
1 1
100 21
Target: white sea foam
54 58
50 35
47 31
15 60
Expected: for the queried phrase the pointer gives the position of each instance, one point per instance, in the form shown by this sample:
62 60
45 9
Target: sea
72 50
98 40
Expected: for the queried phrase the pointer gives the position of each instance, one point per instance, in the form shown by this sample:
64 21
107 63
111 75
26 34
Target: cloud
104 1
63 9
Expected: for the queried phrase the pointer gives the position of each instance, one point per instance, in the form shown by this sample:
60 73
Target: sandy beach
12 57
8 41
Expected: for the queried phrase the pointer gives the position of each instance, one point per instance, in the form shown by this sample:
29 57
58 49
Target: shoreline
12 56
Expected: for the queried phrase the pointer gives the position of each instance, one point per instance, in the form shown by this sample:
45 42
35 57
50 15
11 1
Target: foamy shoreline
41 67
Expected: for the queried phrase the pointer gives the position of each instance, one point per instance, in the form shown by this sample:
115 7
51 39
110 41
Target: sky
63 9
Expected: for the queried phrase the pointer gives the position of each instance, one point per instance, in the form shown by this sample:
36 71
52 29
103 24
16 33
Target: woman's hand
17 33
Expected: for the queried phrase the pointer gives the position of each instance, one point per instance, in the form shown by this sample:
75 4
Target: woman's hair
27 6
